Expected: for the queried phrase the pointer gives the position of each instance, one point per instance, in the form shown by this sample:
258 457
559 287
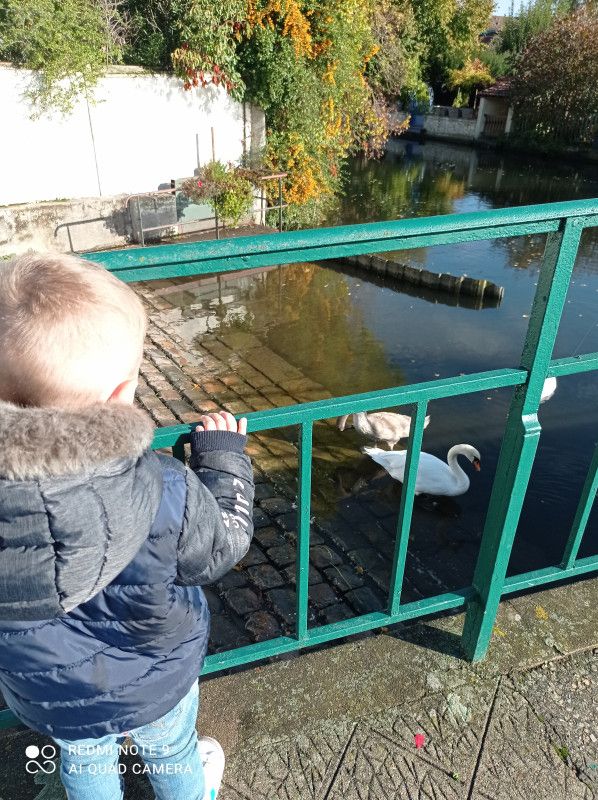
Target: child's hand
222 421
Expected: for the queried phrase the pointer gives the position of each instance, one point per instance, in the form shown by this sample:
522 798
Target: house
495 111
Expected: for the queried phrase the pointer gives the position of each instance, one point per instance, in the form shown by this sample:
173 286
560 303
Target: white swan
433 475
548 389
382 426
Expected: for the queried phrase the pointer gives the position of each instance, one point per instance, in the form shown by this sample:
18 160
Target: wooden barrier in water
484 291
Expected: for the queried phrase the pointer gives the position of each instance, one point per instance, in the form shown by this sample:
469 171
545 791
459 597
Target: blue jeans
90 768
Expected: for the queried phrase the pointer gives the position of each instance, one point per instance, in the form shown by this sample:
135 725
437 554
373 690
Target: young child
104 543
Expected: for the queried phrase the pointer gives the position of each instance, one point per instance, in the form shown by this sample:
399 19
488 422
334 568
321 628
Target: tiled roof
501 88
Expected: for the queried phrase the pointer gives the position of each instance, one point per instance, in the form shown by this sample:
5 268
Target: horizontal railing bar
401 395
205 260
573 364
419 608
336 630
336 407
517 583
371 235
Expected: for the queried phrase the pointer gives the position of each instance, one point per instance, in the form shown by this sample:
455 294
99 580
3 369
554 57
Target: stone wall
452 127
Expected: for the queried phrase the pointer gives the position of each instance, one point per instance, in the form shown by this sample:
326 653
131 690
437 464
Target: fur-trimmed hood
38 443
79 491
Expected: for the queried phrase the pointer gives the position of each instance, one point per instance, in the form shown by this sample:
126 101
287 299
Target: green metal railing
563 223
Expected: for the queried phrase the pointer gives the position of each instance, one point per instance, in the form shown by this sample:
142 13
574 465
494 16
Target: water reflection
346 333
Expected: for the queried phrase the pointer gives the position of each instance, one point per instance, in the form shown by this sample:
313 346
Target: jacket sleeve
218 522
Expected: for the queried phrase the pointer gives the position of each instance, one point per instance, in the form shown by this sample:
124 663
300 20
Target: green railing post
303 525
178 449
406 509
582 514
520 440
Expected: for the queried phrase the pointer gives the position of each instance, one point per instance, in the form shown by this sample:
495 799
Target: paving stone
322 556
321 595
337 613
355 512
381 540
226 633
260 520
288 522
274 506
265 576
452 722
264 490
314 575
282 555
344 577
262 625
243 601
232 580
269 537
364 600
343 536
301 770
253 556
373 768
564 694
283 602
314 536
214 602
373 564
523 758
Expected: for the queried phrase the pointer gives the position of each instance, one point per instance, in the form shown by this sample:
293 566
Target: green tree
530 20
67 43
448 31
555 87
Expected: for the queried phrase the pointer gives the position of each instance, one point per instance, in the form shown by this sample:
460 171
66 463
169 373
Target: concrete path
341 724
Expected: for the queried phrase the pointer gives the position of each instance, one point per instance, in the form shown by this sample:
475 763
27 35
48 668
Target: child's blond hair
70 332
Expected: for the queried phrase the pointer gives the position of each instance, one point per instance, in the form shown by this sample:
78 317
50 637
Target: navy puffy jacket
103 547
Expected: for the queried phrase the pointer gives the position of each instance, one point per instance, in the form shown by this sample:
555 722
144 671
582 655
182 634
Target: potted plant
226 188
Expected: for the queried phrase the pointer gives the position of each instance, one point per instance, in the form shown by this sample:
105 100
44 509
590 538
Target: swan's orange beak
476 464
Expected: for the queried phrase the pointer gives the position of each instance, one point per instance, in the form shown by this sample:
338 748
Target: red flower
200 184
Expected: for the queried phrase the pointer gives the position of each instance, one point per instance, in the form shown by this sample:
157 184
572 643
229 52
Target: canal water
348 333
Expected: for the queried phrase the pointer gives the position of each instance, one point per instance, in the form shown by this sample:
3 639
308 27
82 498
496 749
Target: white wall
138 134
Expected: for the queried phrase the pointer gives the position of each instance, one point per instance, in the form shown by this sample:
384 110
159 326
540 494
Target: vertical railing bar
178 450
586 501
303 526
406 508
520 440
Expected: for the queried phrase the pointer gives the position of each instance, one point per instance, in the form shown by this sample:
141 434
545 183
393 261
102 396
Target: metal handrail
563 223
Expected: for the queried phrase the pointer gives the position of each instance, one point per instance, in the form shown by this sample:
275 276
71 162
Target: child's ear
124 392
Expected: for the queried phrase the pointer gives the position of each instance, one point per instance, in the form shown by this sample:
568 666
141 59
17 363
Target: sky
502 7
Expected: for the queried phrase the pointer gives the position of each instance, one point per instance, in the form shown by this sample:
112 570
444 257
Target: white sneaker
212 758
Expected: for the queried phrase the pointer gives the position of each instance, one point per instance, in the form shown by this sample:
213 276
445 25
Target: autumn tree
555 87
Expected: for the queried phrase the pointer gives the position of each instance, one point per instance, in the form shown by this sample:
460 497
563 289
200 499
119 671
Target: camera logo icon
40 759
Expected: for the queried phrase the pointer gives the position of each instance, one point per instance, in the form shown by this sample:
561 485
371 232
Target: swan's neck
461 476
361 423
